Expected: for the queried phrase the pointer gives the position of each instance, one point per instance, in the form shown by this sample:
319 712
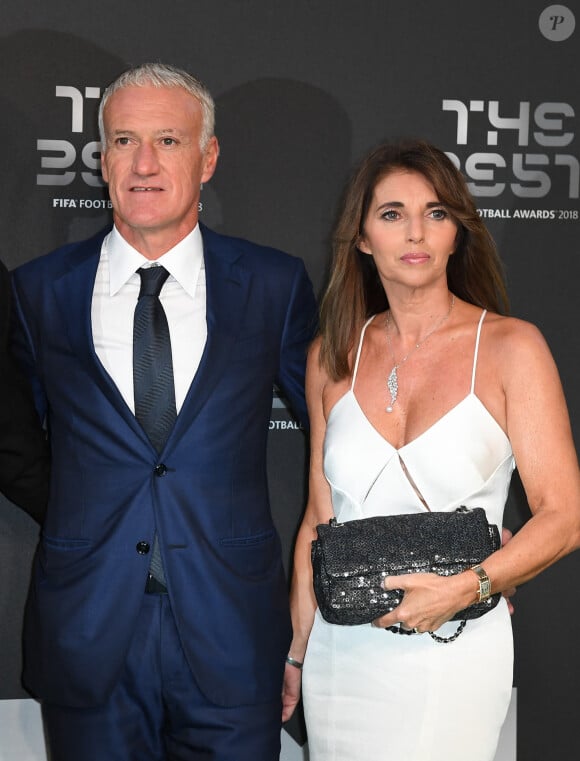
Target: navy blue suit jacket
220 550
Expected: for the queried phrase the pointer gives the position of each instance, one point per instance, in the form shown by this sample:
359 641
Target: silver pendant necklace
393 380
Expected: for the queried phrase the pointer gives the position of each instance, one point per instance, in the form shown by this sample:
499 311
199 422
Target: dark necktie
153 383
152 365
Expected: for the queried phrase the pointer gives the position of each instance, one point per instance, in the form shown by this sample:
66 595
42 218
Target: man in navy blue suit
157 623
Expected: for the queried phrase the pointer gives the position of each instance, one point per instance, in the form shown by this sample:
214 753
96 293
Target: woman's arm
538 426
318 510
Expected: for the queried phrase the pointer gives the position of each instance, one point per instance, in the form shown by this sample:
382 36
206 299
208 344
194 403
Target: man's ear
211 154
104 171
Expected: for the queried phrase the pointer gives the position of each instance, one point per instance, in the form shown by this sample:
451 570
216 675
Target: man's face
154 165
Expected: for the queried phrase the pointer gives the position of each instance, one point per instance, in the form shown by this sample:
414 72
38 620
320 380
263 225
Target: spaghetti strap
481 319
360 343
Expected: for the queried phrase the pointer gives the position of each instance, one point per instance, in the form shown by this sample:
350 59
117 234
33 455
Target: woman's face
408 232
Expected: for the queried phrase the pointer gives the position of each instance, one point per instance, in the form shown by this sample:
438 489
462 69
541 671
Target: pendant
393 386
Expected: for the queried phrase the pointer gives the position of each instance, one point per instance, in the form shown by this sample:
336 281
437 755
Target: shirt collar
183 262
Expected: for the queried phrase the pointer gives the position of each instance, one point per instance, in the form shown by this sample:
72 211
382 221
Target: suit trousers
157 712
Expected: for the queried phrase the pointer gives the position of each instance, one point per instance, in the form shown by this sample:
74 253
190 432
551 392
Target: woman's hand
429 601
290 690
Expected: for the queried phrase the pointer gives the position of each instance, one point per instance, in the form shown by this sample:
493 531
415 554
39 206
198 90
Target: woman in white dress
422 396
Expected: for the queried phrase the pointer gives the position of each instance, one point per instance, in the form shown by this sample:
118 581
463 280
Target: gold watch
484 591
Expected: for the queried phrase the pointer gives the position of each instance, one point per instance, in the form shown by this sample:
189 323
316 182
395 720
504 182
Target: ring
416 631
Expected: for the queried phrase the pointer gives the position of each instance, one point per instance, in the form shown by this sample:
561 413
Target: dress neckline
470 397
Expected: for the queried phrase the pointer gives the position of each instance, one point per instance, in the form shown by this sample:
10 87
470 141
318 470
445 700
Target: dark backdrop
303 89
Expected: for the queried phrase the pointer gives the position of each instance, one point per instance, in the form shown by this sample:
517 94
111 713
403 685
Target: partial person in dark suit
157 624
24 458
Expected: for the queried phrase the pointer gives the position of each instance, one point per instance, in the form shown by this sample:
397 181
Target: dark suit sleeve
24 457
299 329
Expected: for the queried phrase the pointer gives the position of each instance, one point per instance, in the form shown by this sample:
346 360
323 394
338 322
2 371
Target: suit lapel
227 289
74 293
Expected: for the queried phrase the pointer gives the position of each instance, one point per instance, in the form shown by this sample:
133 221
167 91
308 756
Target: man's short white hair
163 75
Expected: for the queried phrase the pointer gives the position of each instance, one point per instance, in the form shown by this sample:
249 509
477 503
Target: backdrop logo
61 161
526 147
557 23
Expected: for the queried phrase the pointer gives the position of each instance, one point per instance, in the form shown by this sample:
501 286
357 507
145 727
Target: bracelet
484 590
294 662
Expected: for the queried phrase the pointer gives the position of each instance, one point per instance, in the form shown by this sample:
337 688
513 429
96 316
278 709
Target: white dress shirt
183 298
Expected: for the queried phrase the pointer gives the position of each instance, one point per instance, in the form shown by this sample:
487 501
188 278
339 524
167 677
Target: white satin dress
369 694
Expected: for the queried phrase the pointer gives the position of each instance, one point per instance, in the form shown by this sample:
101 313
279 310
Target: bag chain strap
436 637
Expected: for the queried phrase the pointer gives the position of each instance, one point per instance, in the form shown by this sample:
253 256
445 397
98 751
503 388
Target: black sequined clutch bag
350 560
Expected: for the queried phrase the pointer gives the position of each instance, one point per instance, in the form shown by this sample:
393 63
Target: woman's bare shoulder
518 350
512 334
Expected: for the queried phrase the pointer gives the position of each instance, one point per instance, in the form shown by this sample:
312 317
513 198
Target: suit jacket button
160 470
142 548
